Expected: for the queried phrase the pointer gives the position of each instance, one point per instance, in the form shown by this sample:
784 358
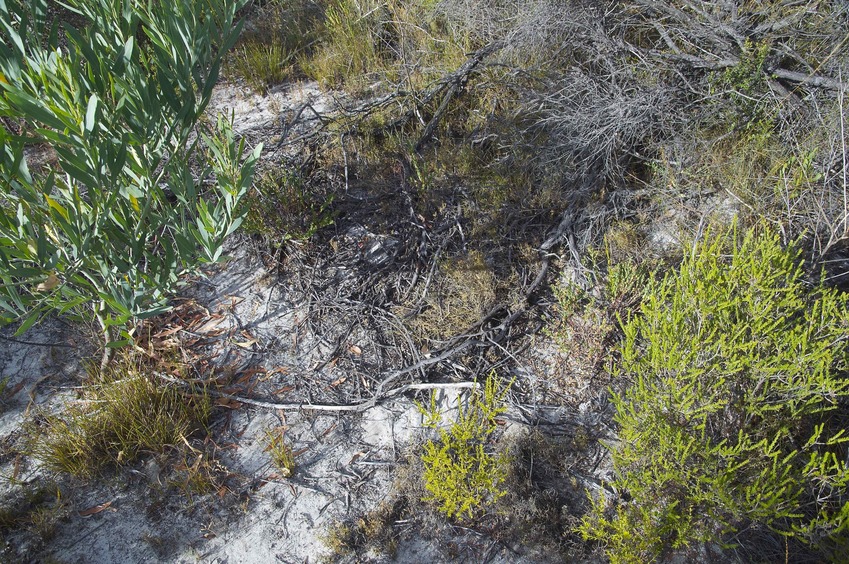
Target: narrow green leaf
91 113
28 322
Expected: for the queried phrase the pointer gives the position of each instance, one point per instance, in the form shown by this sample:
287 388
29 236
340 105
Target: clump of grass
365 40
261 65
36 509
351 48
280 452
122 414
197 472
370 533
278 34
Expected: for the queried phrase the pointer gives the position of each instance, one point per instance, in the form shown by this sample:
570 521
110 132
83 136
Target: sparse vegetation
590 311
463 291
34 509
282 207
637 209
197 472
368 534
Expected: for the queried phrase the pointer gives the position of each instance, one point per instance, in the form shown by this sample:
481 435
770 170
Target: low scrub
734 372
461 296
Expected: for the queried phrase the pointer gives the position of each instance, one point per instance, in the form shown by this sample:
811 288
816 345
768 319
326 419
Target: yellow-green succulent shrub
735 369
462 474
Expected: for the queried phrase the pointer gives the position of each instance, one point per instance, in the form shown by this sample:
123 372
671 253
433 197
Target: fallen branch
356 407
453 82
809 79
814 80
36 344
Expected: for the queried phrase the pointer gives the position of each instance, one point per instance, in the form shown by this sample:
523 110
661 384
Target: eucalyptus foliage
736 373
128 209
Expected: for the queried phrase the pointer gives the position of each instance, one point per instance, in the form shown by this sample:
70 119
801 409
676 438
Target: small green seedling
280 452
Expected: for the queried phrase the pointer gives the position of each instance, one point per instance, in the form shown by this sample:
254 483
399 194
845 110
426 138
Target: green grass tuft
280 452
122 414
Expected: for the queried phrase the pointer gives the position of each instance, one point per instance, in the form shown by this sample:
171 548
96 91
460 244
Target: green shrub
125 213
733 370
460 474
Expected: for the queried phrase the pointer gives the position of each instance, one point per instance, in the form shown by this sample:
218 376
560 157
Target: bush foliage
125 213
735 370
460 473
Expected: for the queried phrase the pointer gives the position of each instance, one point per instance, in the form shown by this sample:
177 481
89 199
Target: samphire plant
462 474
129 208
735 374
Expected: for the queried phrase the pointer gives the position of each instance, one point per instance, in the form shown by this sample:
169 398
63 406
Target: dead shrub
461 294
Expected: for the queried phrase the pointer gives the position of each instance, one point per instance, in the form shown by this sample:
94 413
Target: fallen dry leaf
167 332
248 374
95 510
355 350
51 282
228 403
14 390
209 324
